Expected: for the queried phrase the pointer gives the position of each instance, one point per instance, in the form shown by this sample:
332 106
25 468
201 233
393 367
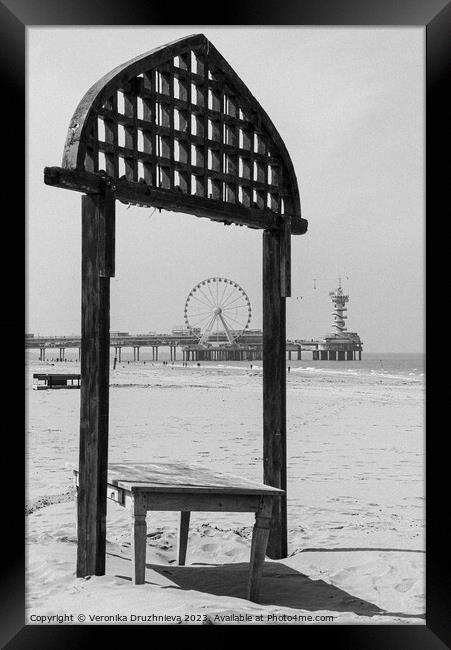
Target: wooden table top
176 477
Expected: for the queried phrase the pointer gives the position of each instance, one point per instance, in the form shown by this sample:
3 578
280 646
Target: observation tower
339 344
339 300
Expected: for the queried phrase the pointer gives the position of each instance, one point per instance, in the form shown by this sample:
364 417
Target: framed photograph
225 359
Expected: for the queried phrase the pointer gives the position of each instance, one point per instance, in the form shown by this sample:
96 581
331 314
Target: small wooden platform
56 380
142 487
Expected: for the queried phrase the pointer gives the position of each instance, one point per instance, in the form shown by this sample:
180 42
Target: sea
406 364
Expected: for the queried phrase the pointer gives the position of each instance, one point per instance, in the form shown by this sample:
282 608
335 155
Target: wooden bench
56 380
143 487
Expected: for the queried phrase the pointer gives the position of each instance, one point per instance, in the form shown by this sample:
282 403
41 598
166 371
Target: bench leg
139 533
183 537
260 537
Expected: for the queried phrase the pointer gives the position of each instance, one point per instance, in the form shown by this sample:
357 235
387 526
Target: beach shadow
281 586
343 549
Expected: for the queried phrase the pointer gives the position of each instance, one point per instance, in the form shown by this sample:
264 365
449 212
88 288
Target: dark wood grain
144 195
94 397
274 390
285 258
107 233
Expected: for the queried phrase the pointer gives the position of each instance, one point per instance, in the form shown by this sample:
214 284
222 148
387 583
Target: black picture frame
15 17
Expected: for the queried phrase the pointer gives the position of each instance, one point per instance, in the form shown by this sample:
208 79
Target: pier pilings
192 352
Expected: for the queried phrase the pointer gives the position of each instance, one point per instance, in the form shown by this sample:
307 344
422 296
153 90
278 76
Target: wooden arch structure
176 129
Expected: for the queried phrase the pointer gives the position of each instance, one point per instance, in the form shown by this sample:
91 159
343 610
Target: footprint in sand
405 585
208 548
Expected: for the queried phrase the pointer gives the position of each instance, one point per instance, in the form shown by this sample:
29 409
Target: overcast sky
349 104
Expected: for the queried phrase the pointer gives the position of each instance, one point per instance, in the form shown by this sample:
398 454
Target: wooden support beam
274 389
285 258
182 540
97 265
145 195
107 231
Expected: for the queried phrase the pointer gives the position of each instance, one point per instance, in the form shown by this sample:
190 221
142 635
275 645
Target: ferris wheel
217 309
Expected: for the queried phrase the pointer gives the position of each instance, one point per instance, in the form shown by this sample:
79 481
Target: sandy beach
355 496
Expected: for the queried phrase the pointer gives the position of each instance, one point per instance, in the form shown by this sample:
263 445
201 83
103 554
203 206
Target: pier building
339 344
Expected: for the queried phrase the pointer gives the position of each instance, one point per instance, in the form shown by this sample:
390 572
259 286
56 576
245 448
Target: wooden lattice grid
182 126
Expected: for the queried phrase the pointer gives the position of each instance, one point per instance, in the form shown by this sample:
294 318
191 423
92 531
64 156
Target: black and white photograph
225 359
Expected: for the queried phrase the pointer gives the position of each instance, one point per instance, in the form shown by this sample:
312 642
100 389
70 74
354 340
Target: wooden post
98 224
274 388
182 540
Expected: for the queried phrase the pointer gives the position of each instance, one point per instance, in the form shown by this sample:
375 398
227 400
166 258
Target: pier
186 348
191 343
